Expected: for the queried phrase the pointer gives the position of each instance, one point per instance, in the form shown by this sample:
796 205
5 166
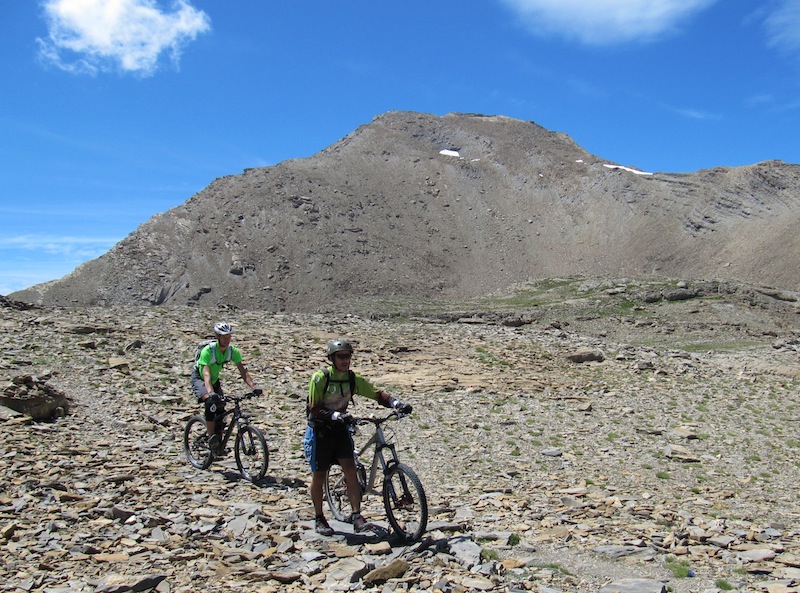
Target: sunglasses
343 355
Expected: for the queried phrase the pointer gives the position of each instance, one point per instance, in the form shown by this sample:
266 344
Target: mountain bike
250 447
403 497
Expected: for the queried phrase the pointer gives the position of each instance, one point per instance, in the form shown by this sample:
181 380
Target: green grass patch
717 346
679 568
554 567
487 554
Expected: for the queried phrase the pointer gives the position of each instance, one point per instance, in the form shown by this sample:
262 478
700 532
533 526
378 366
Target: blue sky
114 110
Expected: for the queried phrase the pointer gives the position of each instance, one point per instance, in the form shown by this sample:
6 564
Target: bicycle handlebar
376 421
238 398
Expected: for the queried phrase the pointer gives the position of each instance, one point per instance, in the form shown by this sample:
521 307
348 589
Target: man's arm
384 398
207 381
245 375
389 401
367 389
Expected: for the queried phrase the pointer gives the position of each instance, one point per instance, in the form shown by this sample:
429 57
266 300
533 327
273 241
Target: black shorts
324 447
199 390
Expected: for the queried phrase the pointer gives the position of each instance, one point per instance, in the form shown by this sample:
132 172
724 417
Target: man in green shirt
206 384
327 437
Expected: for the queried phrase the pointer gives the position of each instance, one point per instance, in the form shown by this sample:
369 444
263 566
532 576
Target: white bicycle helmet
223 328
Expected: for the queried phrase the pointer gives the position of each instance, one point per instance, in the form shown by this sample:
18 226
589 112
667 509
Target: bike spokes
336 493
252 454
372 509
195 443
405 502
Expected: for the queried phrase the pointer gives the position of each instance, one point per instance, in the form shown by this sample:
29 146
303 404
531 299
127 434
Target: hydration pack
213 343
350 379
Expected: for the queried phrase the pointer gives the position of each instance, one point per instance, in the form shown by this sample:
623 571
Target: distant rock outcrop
454 206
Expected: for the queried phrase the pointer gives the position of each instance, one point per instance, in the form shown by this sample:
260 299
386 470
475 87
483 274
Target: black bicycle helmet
338 345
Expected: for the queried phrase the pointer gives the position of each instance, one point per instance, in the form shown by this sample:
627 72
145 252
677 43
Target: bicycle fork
399 499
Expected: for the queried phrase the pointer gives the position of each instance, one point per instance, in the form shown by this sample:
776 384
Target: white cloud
783 26
87 36
13 279
81 248
605 22
31 259
696 114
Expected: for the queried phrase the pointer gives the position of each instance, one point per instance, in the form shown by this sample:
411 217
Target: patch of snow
579 161
449 153
628 169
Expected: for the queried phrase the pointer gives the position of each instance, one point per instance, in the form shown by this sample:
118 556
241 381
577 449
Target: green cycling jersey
337 395
205 359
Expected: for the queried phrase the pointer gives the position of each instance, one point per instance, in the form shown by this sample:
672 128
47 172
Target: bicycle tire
252 453
405 502
335 489
195 443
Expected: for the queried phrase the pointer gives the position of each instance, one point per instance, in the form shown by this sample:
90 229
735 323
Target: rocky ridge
621 439
417 206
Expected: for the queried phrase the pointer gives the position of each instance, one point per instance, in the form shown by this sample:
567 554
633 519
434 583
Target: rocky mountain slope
414 205
572 436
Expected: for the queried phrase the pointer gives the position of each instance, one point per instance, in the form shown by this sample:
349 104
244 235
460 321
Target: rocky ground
571 437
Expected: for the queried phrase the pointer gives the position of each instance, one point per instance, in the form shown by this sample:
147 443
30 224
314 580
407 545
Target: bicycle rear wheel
252 454
335 489
405 502
195 443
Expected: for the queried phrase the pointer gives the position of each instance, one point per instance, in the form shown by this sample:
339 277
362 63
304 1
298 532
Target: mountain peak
451 206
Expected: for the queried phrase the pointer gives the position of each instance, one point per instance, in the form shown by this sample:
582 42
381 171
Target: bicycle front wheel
195 443
405 502
252 454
